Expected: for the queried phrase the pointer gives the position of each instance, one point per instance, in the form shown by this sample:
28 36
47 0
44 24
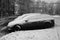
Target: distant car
32 21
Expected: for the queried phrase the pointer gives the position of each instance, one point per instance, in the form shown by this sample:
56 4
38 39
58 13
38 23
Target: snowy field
44 34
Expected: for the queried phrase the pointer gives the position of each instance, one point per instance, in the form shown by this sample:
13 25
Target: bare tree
6 8
58 7
22 6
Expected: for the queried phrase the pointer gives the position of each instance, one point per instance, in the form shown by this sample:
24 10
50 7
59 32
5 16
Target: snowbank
56 16
46 34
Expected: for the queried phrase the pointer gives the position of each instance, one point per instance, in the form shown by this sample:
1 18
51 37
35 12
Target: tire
53 23
14 28
50 24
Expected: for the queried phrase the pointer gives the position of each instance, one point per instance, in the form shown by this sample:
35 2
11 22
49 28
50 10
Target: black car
31 21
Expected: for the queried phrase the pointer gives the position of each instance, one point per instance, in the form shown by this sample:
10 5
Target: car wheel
15 28
50 24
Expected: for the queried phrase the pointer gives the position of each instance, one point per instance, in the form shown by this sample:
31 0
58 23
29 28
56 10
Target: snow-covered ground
45 34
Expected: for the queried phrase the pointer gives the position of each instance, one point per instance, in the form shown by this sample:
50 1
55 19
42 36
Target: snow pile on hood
46 34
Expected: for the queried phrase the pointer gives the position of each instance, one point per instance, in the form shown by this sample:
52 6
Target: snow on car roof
34 16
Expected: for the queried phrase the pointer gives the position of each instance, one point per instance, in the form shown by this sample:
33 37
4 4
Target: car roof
34 16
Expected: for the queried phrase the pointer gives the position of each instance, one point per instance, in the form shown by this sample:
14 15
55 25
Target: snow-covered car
31 21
